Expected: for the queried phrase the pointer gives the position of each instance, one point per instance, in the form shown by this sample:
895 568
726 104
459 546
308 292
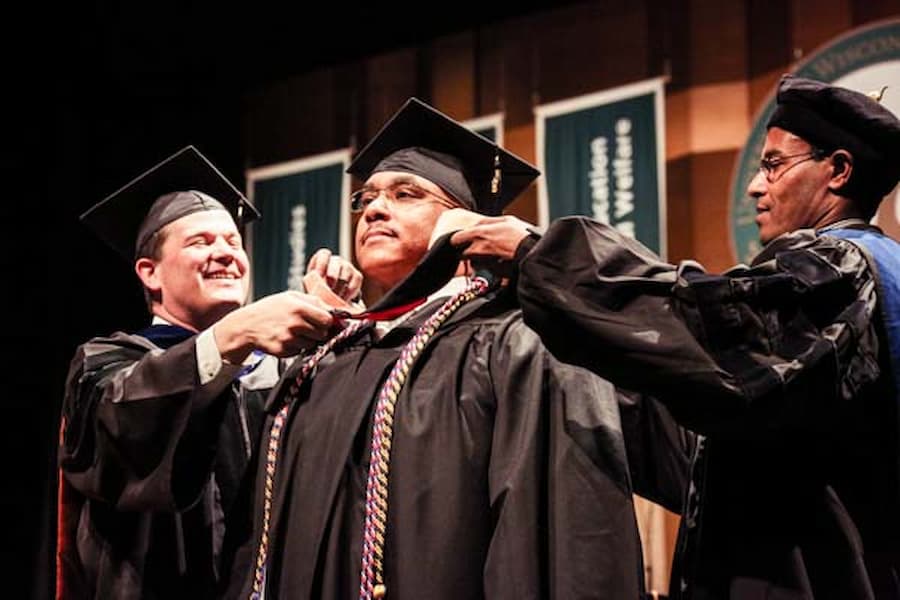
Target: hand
338 274
281 324
316 286
483 237
454 219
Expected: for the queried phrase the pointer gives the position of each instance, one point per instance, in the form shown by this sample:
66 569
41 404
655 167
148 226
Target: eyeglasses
769 165
399 193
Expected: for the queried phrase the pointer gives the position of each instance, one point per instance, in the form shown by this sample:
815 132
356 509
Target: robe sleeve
139 430
782 343
560 493
659 450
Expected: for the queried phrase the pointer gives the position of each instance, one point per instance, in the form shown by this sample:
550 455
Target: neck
376 289
841 209
373 292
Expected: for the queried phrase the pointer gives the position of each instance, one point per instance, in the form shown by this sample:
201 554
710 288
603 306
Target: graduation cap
830 117
184 183
423 141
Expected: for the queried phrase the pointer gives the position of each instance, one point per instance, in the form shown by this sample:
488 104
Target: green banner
602 155
304 208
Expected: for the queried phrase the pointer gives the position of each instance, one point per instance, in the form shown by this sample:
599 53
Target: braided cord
259 575
372 572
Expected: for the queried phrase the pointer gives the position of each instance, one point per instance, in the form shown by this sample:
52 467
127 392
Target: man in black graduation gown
158 425
504 473
789 367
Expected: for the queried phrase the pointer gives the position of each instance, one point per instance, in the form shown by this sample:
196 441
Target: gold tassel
877 96
495 182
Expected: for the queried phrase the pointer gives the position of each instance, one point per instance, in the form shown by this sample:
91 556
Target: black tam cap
831 118
423 141
182 184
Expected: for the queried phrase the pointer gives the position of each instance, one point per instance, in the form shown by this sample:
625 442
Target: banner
603 155
865 60
304 206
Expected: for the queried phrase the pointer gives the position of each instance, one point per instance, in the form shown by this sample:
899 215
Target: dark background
92 95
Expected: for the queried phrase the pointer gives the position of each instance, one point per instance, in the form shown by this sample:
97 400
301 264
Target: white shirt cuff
209 362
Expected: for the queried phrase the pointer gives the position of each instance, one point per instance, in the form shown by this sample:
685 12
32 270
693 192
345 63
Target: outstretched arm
783 342
286 323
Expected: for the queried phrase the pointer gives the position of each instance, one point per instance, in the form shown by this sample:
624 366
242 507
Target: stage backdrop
603 155
304 206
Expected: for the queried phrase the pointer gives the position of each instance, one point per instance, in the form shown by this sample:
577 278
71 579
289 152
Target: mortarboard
423 141
832 117
184 183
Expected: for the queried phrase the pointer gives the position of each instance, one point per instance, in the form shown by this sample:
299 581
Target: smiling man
158 425
790 367
442 453
198 274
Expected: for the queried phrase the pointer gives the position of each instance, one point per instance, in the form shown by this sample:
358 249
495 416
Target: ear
842 163
147 272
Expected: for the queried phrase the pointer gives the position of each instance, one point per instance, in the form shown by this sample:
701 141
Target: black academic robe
150 462
782 366
508 478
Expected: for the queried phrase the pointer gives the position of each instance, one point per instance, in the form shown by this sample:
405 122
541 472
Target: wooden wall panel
769 48
832 19
768 26
390 79
865 11
349 102
489 70
295 118
718 50
520 140
452 84
679 221
591 47
662 21
710 179
309 114
672 19
517 76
